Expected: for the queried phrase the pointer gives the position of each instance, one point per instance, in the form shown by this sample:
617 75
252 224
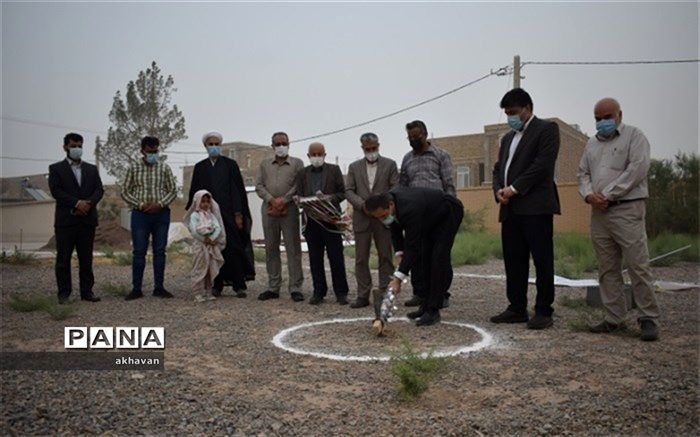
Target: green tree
673 195
144 110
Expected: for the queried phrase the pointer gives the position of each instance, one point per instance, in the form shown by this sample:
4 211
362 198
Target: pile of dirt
109 234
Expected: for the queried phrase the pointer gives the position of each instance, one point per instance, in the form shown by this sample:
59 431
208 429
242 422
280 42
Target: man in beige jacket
612 178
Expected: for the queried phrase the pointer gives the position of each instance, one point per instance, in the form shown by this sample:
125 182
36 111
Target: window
463 179
482 173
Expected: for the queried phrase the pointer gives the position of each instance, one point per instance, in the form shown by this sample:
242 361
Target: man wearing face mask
612 178
277 185
221 176
370 175
425 166
523 185
148 188
424 223
325 181
77 188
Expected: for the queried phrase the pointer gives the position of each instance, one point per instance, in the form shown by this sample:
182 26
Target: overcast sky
248 70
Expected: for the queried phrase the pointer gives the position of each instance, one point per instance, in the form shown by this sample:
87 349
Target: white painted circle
279 341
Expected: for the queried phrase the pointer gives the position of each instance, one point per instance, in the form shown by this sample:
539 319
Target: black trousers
435 268
81 238
319 241
521 236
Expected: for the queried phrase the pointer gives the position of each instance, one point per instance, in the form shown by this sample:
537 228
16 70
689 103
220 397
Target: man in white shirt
523 185
612 178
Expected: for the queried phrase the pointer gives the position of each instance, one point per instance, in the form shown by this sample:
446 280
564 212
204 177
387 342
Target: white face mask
282 151
75 153
372 156
317 161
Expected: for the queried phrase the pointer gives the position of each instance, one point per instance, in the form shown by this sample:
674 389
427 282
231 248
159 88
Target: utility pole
516 71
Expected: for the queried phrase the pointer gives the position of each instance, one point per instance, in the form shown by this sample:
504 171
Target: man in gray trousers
368 176
276 185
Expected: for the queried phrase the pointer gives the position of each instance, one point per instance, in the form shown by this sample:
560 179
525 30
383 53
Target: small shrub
117 290
414 371
123 258
259 254
48 304
475 248
17 258
665 243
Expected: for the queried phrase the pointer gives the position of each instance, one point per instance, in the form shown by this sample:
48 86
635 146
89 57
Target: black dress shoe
133 295
650 332
240 294
445 303
540 322
297 296
315 300
90 298
62 299
415 301
162 293
428 318
604 327
509 316
415 314
342 300
360 303
266 295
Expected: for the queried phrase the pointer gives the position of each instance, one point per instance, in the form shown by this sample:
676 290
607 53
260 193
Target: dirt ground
224 376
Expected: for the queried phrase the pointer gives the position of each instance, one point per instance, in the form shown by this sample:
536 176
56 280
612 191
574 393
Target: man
325 181
427 166
523 185
149 188
373 174
612 178
277 185
77 188
222 177
421 220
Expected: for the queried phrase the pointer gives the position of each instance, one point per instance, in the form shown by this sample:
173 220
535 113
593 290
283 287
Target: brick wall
575 217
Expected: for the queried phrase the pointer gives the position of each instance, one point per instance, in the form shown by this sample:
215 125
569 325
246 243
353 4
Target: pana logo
94 337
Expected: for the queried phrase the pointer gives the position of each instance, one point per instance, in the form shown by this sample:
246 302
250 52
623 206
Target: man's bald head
317 149
607 108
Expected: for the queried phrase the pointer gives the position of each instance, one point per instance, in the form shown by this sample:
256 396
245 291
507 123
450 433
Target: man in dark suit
77 188
324 180
523 184
370 175
424 223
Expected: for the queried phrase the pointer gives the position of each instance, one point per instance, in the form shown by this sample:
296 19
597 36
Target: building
247 155
26 212
474 156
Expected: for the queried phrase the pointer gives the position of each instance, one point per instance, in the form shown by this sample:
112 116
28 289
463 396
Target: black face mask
417 144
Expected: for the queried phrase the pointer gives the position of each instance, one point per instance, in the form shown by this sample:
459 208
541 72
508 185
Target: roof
28 188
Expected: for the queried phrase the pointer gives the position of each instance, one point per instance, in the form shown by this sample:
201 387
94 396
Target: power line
671 61
16 158
499 72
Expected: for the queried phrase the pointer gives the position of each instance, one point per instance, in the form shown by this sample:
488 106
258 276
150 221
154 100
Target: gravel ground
224 376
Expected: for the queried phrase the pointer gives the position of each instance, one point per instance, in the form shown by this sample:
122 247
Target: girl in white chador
203 219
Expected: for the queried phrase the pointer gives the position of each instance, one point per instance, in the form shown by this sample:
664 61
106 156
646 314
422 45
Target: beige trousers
619 233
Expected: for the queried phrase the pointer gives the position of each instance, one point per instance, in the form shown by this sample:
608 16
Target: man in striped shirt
148 188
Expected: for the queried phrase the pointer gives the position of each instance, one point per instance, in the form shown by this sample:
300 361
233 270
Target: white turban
214 134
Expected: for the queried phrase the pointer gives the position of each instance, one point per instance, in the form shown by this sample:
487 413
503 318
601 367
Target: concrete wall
575 217
33 220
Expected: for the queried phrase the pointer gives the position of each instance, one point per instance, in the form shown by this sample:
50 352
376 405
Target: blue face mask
606 127
388 220
152 158
214 151
75 153
515 122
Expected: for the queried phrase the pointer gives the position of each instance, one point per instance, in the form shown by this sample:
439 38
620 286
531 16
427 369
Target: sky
250 69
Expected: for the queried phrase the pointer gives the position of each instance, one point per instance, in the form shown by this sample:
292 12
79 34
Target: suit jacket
357 188
333 183
65 189
531 171
419 211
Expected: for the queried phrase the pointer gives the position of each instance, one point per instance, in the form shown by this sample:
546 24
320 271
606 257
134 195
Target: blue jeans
142 226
